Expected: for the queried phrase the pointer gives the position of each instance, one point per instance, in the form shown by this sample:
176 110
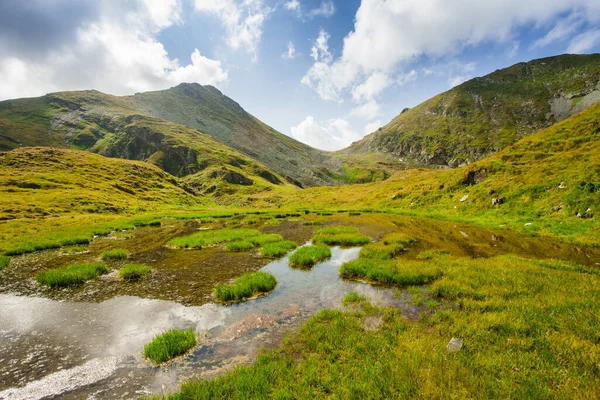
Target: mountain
205 108
114 127
484 115
174 129
548 182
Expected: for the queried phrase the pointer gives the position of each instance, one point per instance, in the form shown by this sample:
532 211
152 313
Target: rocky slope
484 115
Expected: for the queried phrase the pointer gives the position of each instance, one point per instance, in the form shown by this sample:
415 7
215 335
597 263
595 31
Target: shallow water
87 342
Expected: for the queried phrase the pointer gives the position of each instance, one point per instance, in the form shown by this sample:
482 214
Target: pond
87 342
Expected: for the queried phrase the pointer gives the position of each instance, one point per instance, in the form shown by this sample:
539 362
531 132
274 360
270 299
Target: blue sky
323 71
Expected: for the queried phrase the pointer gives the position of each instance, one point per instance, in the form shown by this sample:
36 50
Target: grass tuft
306 257
133 272
245 287
205 238
71 275
265 238
4 261
277 249
169 345
405 273
381 251
239 245
312 223
353 298
340 236
115 254
398 238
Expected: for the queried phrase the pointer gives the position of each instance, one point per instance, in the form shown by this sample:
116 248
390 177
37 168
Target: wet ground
87 342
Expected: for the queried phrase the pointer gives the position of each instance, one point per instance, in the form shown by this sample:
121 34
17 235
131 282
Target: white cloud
369 110
242 21
320 49
115 55
371 87
290 54
326 9
584 42
391 33
293 5
336 134
514 49
372 126
563 29
406 78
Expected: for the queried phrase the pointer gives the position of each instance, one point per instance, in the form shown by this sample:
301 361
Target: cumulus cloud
371 87
336 134
326 9
116 53
290 53
406 78
584 42
243 21
293 5
388 34
368 110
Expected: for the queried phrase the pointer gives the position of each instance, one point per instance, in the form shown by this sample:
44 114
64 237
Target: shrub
132 272
277 249
74 274
246 286
240 245
169 345
308 256
114 254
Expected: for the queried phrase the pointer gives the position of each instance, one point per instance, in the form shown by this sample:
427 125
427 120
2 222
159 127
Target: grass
306 257
398 238
133 272
401 273
340 236
265 238
381 251
4 261
239 245
206 238
431 254
114 254
530 331
71 275
312 223
353 298
277 249
245 287
168 345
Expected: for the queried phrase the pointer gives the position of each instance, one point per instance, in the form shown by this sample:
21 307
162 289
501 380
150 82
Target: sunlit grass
353 298
245 287
169 345
239 245
205 238
71 275
340 236
391 272
381 251
307 256
277 249
114 254
4 261
133 272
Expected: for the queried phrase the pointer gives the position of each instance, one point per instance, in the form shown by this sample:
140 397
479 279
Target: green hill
484 115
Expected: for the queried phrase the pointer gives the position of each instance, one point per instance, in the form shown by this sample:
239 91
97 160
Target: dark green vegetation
306 257
71 275
487 114
169 345
114 254
4 261
353 298
340 236
277 249
245 287
391 272
133 272
516 318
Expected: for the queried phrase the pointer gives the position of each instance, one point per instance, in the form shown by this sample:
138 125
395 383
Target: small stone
464 198
454 345
578 215
464 234
529 224
562 185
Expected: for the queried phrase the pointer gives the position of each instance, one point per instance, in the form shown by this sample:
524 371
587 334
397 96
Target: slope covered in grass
543 182
486 114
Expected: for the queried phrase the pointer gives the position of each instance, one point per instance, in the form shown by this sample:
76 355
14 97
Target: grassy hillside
543 181
484 115
205 108
38 181
112 126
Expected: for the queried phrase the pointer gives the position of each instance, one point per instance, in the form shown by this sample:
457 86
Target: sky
326 72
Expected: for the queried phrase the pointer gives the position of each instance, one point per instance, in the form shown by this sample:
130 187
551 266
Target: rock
464 198
578 215
454 345
496 201
557 208
464 234
562 185
528 224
